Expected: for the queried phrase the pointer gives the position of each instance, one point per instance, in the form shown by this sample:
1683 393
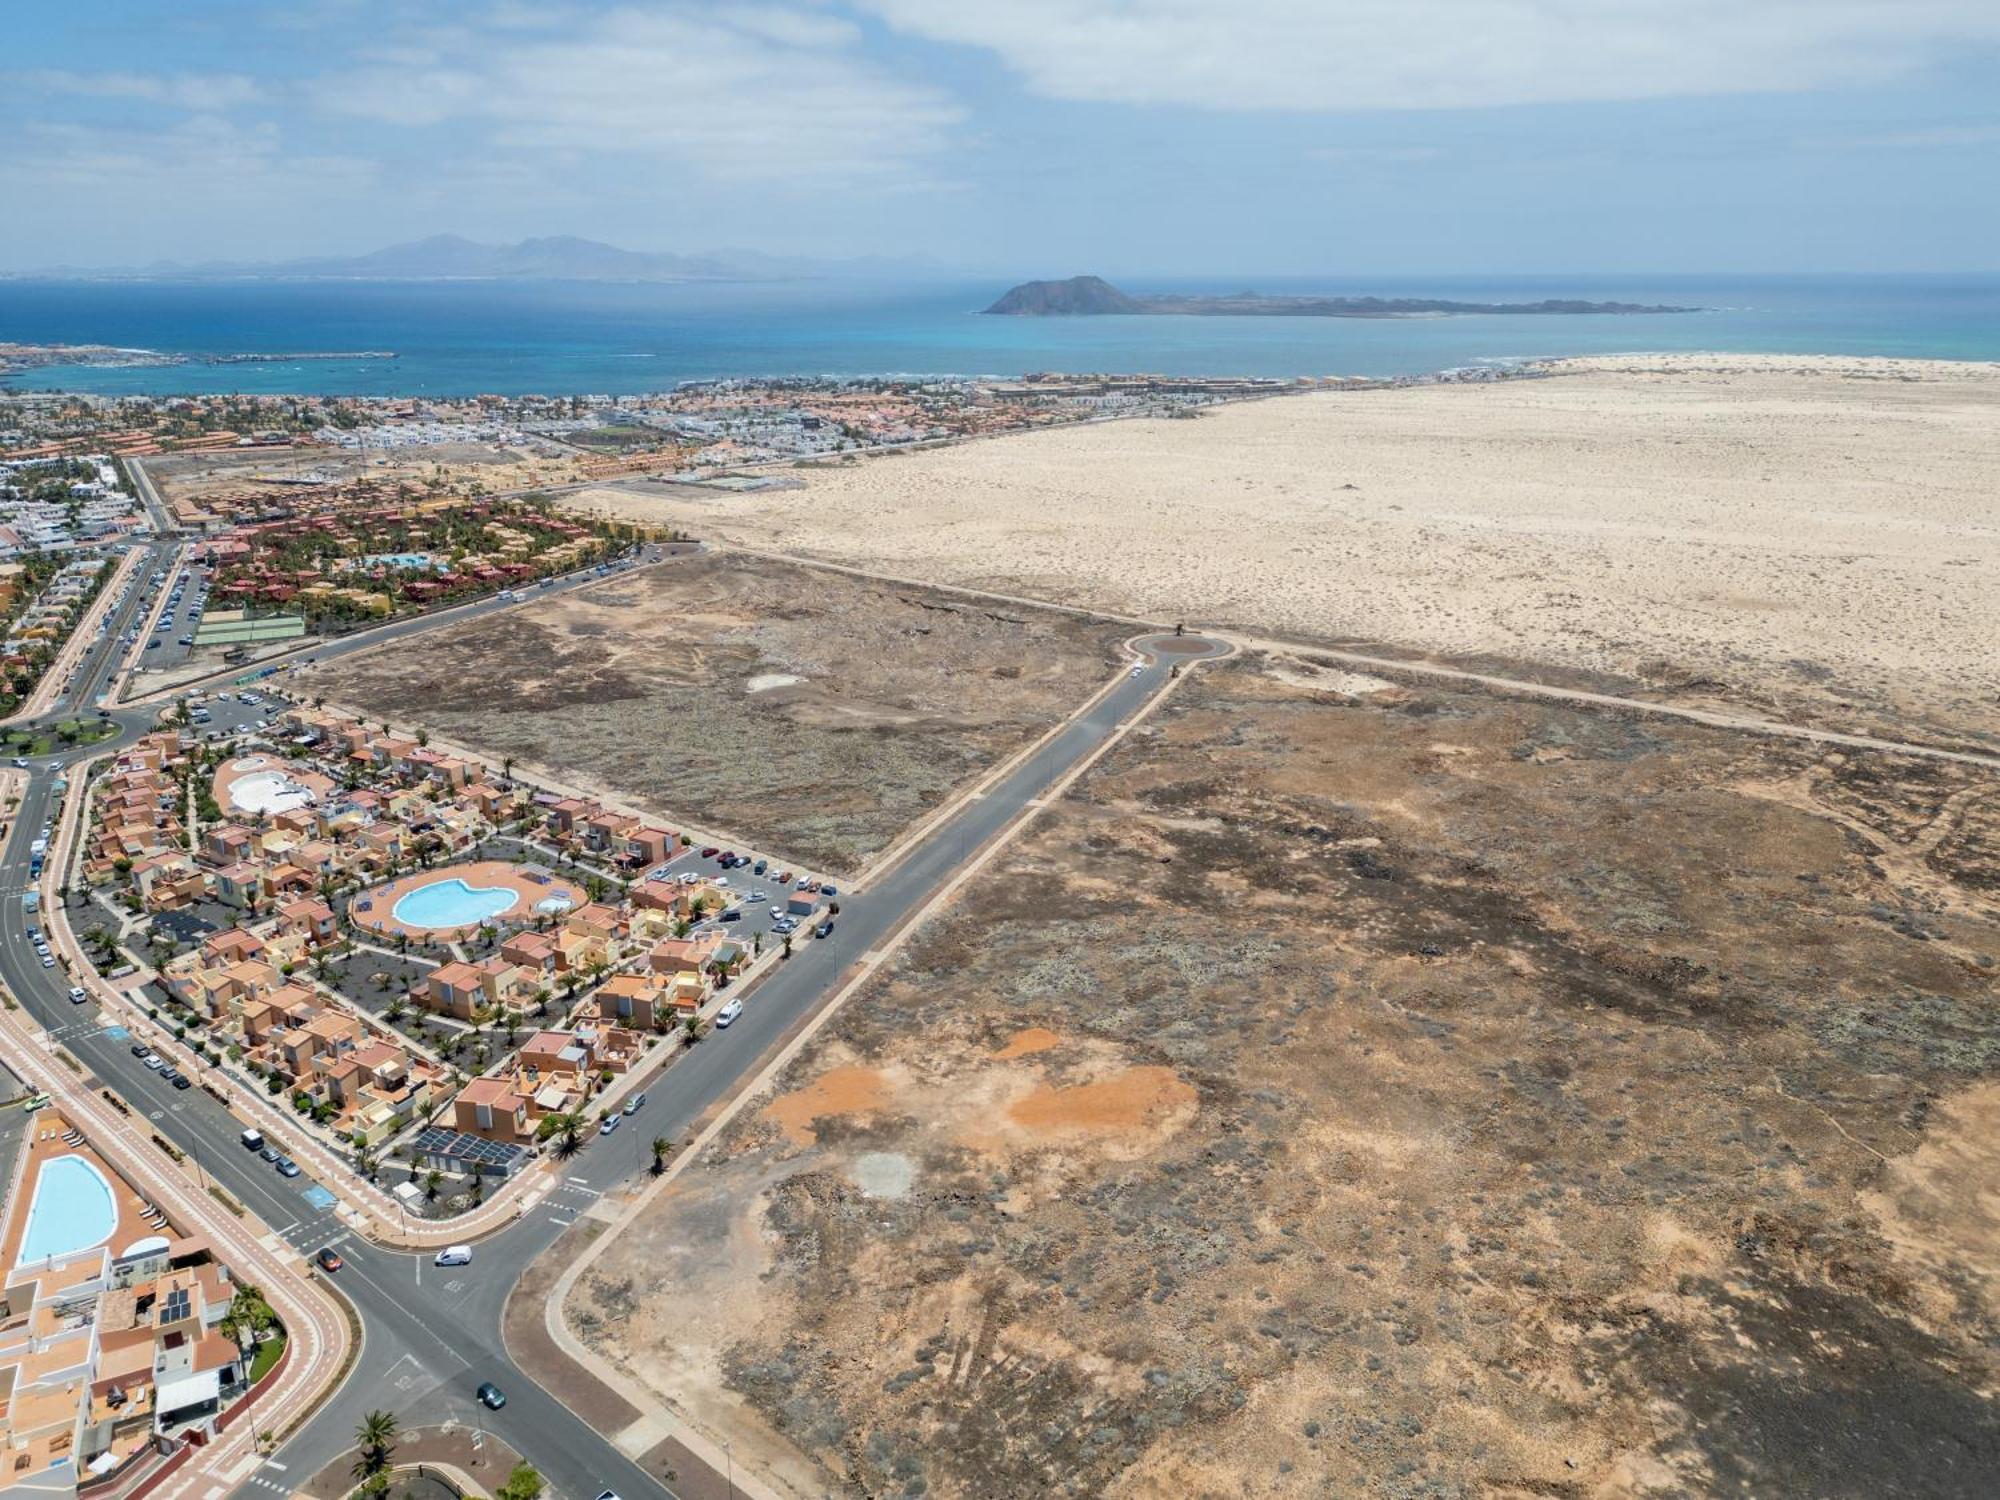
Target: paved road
432 1335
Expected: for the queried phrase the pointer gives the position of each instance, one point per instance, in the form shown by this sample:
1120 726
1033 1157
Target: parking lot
757 911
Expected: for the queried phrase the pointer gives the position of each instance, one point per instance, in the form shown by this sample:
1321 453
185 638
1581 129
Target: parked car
253 1138
491 1396
329 1259
632 1104
168 1074
76 994
608 1124
756 896
728 1014
710 852
825 929
182 1081
829 889
784 877
454 1255
270 1153
287 1167
140 1049
154 1061
734 914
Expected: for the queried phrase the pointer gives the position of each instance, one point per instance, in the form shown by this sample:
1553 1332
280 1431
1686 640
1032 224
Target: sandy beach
1816 534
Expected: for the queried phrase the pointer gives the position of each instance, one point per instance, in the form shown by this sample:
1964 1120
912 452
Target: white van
454 1255
253 1140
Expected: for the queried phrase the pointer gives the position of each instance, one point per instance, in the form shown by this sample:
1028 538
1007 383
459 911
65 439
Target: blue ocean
461 338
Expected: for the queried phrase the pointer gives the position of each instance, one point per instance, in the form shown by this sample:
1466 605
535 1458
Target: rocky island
1093 295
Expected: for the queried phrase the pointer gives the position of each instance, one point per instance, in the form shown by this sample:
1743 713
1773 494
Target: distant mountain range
451 257
1082 296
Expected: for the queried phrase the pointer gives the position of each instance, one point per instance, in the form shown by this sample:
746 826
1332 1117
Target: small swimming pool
453 903
72 1210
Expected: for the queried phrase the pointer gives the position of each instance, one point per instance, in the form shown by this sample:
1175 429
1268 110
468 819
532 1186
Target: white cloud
761 92
1334 55
201 92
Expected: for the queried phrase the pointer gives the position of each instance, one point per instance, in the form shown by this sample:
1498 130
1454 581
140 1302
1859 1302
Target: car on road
491 1396
734 914
329 1258
140 1049
287 1167
608 1495
168 1072
727 859
77 995
756 896
784 877
54 765
760 867
1137 670
270 1153
154 1061
829 889
710 852
20 763
48 961
182 1081
728 1014
632 1104
454 1255
825 929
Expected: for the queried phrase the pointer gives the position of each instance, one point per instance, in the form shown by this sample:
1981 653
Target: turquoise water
72 1210
404 560
452 903
461 338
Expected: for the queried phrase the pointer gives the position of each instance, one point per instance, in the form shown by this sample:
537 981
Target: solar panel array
474 1150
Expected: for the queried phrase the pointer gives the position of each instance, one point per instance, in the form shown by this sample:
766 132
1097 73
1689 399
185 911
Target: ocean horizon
510 338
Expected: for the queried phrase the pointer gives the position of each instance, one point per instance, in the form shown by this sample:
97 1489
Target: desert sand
1817 534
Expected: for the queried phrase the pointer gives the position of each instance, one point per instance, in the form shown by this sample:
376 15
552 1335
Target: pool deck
45 1132
237 767
529 883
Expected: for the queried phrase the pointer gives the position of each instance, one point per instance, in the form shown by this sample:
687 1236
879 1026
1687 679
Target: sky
1170 138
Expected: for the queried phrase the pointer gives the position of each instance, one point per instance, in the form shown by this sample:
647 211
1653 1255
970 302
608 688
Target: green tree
524 1483
661 1148
375 1435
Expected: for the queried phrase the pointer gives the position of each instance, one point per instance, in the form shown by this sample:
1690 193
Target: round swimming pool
72 1210
453 903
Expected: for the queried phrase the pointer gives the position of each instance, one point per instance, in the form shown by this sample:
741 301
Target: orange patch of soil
1034 1039
1132 1100
849 1090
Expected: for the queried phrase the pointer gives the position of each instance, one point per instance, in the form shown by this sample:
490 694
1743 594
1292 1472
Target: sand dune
1798 527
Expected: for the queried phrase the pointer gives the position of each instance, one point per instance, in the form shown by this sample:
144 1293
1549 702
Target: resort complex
411 951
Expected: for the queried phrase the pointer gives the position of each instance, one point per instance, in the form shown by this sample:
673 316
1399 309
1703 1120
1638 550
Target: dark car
727 859
182 1081
825 929
329 1259
491 1396
734 914
829 889
710 852
140 1049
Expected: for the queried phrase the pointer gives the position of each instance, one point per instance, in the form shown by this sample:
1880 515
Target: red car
728 857
784 877
329 1259
710 852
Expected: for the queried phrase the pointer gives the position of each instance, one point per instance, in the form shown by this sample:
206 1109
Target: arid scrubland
1351 1089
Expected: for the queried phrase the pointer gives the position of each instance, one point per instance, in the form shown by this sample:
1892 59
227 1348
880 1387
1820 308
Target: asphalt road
432 1335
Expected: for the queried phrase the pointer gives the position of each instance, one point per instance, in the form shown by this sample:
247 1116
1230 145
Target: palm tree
433 1180
661 1147
570 1140
376 1437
